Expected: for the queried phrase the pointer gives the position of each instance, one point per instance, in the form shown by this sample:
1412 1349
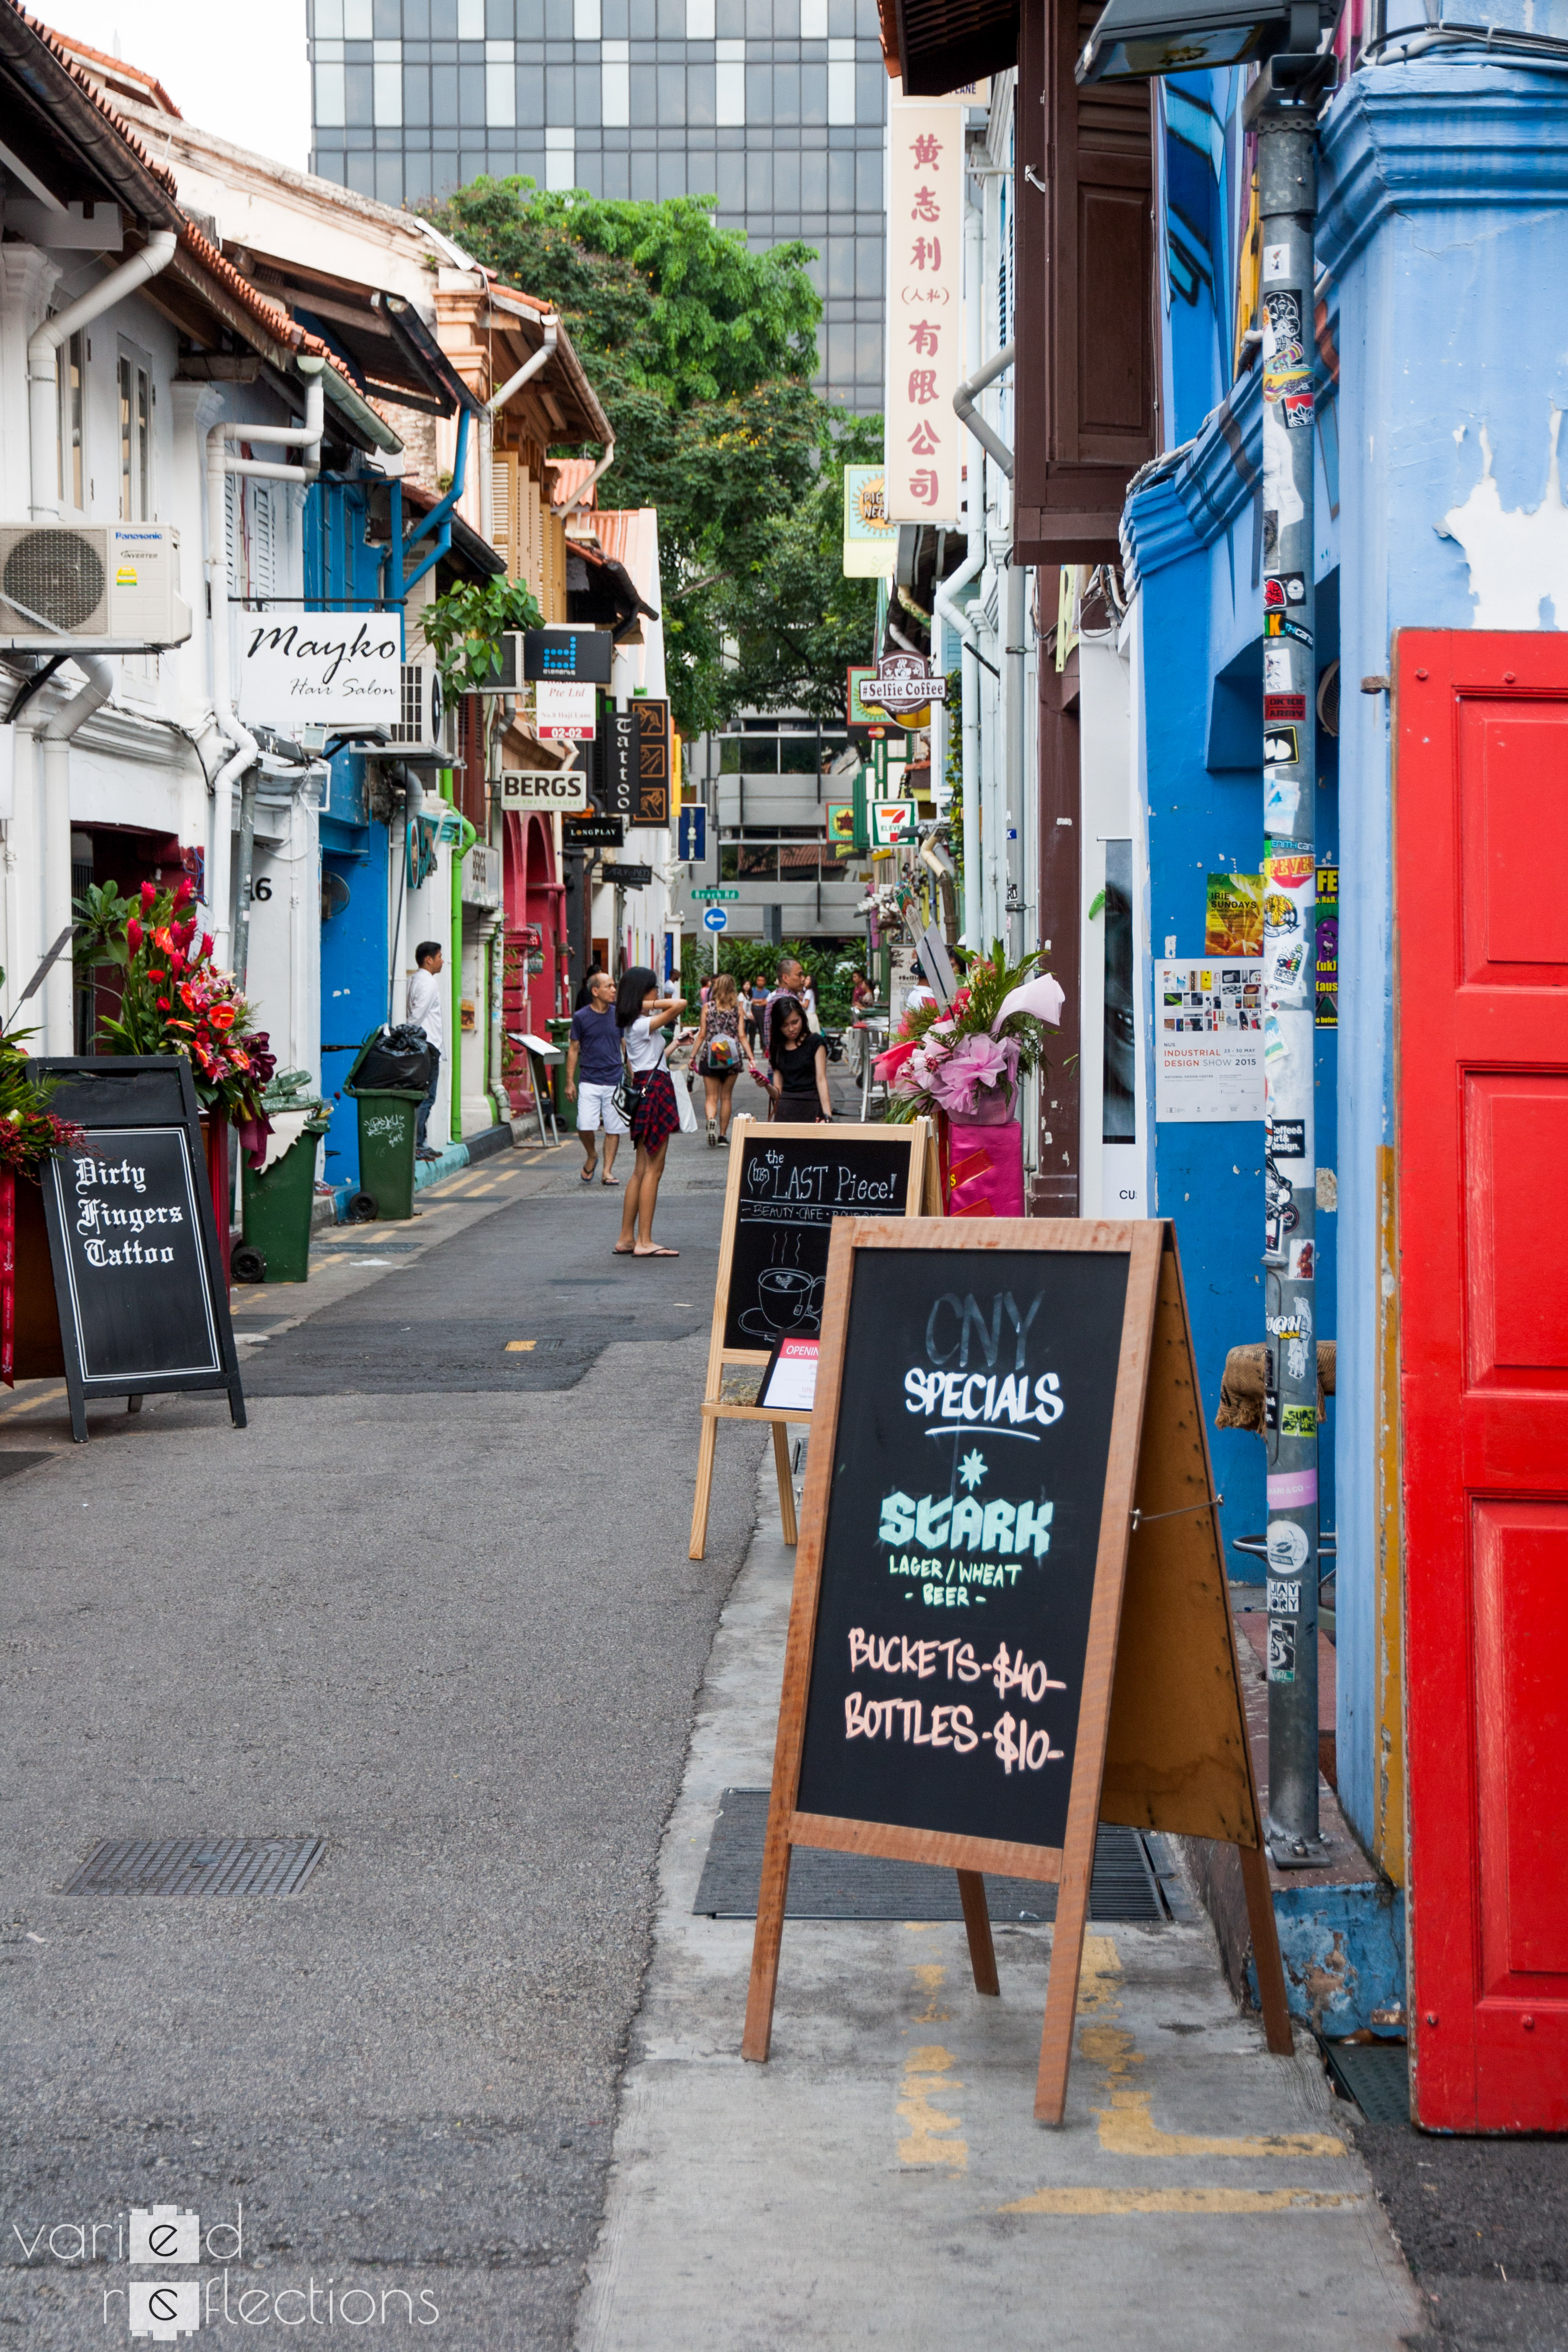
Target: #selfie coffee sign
141 1295
787 1187
1010 1618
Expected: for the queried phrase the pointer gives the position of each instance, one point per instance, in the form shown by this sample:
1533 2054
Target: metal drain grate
825 1886
198 1866
1375 2074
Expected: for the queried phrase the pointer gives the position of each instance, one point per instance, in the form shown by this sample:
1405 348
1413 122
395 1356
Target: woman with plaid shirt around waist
641 1014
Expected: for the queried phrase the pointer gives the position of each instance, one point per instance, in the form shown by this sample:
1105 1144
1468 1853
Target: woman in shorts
720 1055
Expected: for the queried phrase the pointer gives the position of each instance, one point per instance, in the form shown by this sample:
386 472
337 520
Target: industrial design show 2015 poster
1209 1040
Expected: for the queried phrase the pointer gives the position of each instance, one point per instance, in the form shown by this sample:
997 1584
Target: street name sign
1011 1619
786 1188
141 1295
711 895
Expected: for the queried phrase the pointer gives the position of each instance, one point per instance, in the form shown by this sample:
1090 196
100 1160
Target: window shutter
1085 419
503 482
263 541
233 536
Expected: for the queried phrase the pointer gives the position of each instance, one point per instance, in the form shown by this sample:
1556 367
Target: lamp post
1134 40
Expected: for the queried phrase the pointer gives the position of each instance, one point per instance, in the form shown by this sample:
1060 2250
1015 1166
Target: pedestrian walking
596 1047
641 1014
793 983
585 995
424 1011
719 1056
798 1062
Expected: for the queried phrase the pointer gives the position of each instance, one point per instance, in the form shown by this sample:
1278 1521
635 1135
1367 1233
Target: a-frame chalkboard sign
1010 1618
141 1294
788 1186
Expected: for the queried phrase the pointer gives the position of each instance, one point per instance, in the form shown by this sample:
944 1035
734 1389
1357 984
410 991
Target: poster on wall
1208 1042
870 540
1328 947
1233 916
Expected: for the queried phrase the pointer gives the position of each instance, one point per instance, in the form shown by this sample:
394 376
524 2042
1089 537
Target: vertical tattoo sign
925 234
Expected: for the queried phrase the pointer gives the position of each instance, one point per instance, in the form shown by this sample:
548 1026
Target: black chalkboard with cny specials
141 1294
1010 1617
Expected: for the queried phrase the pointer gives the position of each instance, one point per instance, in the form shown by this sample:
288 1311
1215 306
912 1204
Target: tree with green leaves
701 353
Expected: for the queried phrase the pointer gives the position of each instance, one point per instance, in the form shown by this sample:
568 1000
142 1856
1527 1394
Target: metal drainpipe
54 738
969 727
1287 204
1012 814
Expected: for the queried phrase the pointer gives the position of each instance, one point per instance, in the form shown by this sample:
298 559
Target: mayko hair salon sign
325 669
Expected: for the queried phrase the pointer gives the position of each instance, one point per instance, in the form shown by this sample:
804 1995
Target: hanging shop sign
1010 1619
582 657
925 245
593 832
903 688
555 788
1208 1041
891 822
870 540
629 877
635 770
563 710
342 671
142 1295
786 1188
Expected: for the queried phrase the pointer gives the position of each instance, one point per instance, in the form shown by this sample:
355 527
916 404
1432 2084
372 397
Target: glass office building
775 107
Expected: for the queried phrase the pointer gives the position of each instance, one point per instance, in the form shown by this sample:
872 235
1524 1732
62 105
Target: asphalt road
435 1606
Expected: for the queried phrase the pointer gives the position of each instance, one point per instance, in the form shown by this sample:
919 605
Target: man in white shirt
424 1011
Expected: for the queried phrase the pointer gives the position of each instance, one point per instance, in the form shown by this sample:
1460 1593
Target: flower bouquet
176 1000
29 1133
961 1067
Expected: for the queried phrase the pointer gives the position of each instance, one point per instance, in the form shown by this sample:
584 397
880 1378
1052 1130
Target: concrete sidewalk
882 2181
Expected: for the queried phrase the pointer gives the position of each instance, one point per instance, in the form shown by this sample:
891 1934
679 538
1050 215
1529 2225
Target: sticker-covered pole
1287 184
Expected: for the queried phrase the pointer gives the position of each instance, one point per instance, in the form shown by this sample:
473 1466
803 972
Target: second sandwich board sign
1010 1618
788 1186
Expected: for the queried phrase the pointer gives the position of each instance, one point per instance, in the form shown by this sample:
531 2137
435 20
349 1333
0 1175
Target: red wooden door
1481 947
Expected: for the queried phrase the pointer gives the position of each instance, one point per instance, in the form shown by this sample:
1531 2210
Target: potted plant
960 1066
176 1000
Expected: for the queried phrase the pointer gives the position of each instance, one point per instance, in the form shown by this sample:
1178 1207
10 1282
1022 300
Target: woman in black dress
799 1064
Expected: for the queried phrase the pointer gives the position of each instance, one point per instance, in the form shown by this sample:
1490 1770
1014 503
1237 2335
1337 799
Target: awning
944 44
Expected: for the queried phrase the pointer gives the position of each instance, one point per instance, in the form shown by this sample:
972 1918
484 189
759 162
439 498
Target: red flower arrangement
177 1000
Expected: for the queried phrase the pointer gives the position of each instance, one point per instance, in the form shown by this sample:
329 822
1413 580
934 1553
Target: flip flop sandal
657 1251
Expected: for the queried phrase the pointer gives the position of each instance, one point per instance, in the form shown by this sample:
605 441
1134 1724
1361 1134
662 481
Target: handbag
687 1109
625 1098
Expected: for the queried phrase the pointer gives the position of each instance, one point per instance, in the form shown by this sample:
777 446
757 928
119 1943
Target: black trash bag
399 1060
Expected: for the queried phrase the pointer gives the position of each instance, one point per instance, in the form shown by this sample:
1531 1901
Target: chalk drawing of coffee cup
789 1297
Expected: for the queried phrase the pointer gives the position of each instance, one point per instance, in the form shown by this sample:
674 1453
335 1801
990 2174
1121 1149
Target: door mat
1375 2074
825 1886
198 1866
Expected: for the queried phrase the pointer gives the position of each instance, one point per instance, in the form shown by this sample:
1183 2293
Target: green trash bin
279 1201
565 1104
388 1122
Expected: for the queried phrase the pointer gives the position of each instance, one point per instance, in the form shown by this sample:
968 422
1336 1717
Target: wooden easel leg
786 1482
705 1445
1266 1950
772 1896
1061 1990
977 1927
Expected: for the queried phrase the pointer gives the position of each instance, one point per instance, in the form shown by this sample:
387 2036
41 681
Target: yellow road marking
932 2135
29 1404
931 1976
520 1347
1127 2127
1181 2201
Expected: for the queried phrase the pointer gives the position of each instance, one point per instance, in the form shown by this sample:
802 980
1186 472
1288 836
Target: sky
253 93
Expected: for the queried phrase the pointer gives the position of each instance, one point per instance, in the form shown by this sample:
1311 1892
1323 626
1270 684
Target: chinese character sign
925 231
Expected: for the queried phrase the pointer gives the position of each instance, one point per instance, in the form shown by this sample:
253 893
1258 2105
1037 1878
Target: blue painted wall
356 941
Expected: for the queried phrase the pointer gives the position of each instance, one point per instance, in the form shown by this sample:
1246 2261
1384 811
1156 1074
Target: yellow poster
1233 918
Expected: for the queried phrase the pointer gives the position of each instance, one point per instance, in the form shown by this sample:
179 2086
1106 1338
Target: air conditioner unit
507 676
102 588
426 724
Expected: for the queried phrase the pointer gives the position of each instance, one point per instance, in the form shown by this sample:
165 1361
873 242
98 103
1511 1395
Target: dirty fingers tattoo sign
141 1298
1010 1618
